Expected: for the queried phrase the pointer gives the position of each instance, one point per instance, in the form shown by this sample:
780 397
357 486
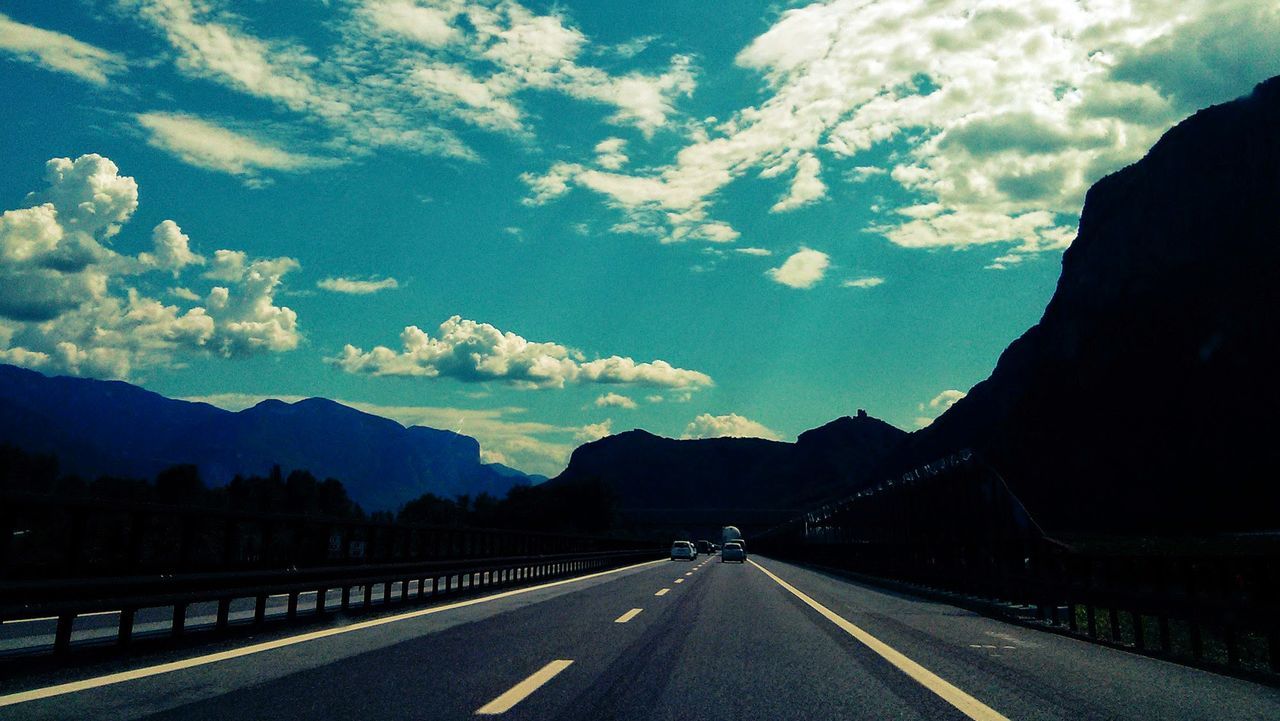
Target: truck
731 533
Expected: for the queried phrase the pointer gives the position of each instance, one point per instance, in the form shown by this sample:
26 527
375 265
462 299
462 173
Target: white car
733 551
683 551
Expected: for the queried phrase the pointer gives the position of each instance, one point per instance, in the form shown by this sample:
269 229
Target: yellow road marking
521 691
663 592
689 573
628 615
74 686
968 705
679 580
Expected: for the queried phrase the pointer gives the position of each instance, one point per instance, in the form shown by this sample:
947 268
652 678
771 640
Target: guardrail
66 557
66 599
49 537
955 526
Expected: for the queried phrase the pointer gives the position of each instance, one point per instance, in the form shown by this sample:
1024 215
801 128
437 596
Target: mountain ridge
114 428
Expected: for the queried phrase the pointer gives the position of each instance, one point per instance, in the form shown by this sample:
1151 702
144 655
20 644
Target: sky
542 223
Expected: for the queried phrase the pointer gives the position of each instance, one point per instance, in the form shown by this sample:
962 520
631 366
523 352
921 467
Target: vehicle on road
705 547
683 551
733 551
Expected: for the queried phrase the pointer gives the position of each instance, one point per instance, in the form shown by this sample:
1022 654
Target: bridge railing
956 526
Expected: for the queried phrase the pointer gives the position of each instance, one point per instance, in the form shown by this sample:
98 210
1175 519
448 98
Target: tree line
581 507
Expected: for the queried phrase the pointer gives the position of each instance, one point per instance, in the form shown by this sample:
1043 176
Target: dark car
705 547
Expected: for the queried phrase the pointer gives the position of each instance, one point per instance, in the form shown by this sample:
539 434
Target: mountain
664 481
109 427
1146 396
1143 401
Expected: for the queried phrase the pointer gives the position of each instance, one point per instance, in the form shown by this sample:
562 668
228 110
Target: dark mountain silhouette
691 482
1146 397
109 427
1143 401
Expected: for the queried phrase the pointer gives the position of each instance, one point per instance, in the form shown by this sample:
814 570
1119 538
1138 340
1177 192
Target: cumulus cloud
615 400
1001 114
937 406
172 249
595 431
803 269
58 52
351 286
869 281
477 352
208 145
70 303
761 252
731 425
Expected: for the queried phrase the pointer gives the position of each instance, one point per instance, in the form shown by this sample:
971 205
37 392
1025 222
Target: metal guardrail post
179 619
62 636
124 633
224 614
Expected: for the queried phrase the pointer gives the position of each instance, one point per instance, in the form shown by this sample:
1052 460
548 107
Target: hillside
109 427
1145 397
664 480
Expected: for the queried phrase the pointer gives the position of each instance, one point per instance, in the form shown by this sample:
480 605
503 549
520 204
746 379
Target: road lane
1030 674
730 643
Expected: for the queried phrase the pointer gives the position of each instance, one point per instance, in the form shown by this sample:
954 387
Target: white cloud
58 52
353 286
869 281
761 252
806 186
172 249
476 352
611 153
431 26
595 431
937 406
615 400
1005 112
731 425
803 269
207 145
70 303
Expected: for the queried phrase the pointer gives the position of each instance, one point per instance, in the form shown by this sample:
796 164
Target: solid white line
521 691
966 704
628 615
74 686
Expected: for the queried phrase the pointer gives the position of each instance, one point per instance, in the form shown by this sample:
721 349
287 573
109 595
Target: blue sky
540 223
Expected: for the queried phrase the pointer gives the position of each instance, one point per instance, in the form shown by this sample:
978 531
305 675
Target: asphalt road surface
665 640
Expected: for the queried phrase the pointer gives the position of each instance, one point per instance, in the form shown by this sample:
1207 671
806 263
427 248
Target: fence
955 525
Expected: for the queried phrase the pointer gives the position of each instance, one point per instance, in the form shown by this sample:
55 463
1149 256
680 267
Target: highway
663 640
